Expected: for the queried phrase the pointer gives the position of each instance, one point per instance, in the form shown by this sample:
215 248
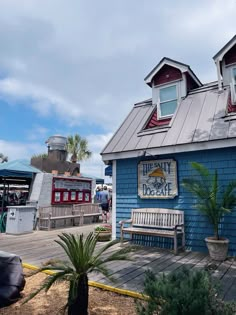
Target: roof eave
219 56
181 66
173 149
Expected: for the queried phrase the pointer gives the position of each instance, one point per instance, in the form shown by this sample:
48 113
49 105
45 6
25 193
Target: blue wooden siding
197 227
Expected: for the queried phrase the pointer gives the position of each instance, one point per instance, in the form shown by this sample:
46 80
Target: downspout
219 75
114 200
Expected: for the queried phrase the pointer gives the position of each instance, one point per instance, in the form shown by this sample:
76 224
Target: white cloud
18 150
37 133
93 167
84 63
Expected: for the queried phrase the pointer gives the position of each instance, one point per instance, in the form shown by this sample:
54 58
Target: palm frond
78 148
104 271
201 169
211 199
105 247
48 282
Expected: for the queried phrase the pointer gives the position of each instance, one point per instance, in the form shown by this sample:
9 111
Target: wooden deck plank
165 266
228 282
157 265
139 259
38 247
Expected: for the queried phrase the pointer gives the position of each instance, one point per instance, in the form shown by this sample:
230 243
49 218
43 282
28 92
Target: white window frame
159 101
233 86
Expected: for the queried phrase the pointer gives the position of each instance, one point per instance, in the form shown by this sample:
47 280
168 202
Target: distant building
60 182
56 159
183 121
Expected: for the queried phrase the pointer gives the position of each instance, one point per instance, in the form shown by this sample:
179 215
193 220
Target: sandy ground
100 302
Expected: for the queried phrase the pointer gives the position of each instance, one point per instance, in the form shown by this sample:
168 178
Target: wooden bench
155 222
64 214
88 210
69 215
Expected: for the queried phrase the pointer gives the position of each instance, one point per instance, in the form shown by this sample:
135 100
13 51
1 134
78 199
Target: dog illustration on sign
157 178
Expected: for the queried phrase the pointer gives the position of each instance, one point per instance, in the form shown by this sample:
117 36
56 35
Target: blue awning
18 168
108 170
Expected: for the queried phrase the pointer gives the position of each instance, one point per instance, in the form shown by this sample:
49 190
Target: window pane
86 196
73 195
65 196
57 196
234 74
168 93
80 196
168 108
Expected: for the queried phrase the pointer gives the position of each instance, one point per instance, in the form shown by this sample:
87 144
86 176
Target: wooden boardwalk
38 247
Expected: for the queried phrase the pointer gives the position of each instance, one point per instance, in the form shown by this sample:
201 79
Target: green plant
183 292
82 260
40 156
103 228
213 199
78 148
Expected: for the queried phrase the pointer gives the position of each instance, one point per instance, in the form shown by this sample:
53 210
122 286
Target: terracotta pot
55 172
103 236
218 249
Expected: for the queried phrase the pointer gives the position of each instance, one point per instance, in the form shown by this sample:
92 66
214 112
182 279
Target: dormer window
170 81
168 99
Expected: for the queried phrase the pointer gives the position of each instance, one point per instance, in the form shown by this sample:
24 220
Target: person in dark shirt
104 200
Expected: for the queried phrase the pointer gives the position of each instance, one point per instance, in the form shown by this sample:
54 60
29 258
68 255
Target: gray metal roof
200 122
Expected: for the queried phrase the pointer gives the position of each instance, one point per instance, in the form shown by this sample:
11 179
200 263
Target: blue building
183 121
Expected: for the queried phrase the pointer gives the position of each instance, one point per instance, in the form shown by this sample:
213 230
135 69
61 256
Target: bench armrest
178 225
125 221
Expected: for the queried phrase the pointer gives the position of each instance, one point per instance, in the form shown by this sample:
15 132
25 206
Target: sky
78 66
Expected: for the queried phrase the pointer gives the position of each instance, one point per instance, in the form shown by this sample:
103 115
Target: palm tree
213 200
3 158
82 260
78 148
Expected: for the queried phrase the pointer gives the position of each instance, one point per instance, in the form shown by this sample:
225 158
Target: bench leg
131 236
175 245
121 237
183 241
81 219
49 222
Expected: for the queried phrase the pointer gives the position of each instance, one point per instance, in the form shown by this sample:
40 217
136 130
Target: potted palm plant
214 201
83 259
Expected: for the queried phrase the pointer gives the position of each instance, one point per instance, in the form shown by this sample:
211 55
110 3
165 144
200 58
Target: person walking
104 200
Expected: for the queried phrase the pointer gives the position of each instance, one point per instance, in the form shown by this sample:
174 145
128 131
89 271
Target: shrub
183 292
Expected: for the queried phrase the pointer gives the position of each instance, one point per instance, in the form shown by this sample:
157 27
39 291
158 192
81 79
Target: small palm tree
82 260
78 148
3 158
213 200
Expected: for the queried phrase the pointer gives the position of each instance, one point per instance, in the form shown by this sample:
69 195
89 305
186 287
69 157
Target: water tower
57 148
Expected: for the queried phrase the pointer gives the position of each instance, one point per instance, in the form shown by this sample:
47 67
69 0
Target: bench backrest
155 217
55 211
87 208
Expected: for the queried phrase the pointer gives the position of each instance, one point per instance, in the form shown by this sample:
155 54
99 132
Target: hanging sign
157 179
